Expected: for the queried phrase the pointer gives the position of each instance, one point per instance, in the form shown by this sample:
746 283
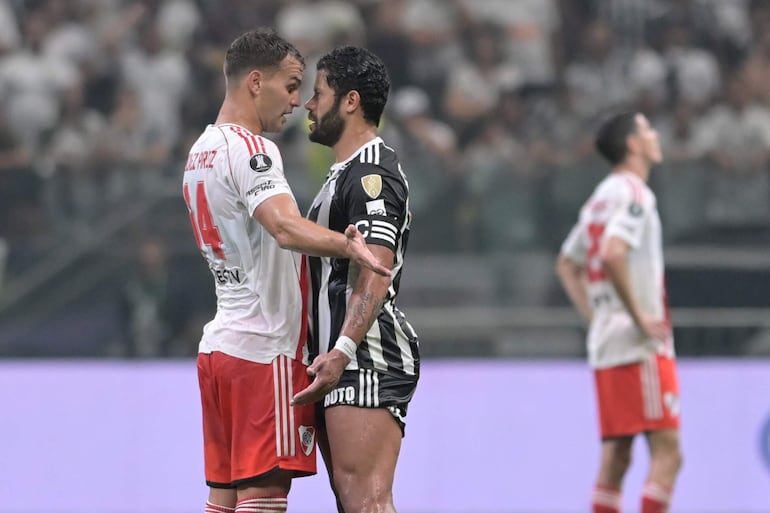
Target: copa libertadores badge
260 162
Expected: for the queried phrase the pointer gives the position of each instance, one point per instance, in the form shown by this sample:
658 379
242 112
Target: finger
309 395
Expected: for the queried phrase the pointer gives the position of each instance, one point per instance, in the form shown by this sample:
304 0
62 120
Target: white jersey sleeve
574 245
257 169
632 205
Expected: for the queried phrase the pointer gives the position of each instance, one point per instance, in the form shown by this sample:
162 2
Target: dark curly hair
261 48
351 68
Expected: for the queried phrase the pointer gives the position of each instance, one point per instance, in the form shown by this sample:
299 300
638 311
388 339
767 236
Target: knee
621 460
674 460
358 495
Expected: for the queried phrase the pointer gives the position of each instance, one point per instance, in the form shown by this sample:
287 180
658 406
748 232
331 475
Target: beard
329 128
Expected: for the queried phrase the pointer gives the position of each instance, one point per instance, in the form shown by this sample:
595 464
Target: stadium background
492 109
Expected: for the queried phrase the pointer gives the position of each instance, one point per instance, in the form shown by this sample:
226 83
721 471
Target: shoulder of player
242 142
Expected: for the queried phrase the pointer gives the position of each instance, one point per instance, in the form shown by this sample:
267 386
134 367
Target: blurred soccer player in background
368 366
253 354
611 266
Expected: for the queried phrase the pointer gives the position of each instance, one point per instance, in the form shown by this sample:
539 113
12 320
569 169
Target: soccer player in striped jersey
253 355
368 363
611 266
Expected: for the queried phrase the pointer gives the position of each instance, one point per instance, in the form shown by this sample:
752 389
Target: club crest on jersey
372 185
260 162
307 439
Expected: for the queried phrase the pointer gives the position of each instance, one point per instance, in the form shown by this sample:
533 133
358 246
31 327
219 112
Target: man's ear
352 101
254 80
632 142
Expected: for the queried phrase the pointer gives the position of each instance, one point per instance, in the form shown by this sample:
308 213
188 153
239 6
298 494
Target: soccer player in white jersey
611 266
253 354
367 363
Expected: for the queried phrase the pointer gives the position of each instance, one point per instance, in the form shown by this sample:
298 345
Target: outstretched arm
280 216
369 293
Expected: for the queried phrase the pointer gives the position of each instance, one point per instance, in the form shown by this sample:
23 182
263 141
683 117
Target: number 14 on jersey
206 232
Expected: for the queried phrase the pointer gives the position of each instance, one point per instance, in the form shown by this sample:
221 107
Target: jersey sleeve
374 200
257 170
627 221
573 246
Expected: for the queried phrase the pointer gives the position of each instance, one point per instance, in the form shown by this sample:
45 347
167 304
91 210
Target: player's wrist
346 346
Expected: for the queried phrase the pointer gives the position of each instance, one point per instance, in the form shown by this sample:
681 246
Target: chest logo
260 162
372 185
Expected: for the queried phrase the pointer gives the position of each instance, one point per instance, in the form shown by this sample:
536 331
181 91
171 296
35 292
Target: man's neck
353 138
233 112
635 166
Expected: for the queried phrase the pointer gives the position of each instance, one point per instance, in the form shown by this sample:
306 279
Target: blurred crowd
492 108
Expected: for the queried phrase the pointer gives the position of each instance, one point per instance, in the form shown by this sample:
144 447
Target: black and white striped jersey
370 191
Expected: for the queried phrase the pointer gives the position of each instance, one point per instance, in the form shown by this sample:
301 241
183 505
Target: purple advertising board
507 436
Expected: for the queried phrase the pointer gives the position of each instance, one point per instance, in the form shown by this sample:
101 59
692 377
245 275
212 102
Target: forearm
299 234
616 270
572 279
364 305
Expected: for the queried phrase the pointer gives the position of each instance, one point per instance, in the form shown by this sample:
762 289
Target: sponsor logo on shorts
307 439
338 396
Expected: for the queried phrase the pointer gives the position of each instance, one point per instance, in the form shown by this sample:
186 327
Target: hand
326 371
360 254
654 328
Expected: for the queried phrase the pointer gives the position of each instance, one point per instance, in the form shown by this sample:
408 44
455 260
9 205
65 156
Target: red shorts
249 427
638 397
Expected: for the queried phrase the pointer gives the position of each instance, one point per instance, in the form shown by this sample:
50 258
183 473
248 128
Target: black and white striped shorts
368 388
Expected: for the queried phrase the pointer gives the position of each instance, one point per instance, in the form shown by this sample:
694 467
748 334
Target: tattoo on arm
366 311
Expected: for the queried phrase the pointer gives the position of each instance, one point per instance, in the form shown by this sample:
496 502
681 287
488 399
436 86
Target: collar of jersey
338 166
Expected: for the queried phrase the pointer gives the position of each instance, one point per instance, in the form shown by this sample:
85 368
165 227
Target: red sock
213 508
655 498
605 500
262 505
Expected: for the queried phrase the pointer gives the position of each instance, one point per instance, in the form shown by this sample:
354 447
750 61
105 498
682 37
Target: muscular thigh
362 441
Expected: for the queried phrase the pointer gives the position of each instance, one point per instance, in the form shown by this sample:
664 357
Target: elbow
565 267
611 259
283 237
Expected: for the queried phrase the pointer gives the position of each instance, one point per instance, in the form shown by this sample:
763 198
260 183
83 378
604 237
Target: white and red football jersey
622 205
260 309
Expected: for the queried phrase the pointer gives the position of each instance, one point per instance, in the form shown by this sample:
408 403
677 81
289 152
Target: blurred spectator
757 69
74 183
31 83
597 77
20 212
160 77
10 38
735 138
145 303
476 83
530 35
428 149
433 29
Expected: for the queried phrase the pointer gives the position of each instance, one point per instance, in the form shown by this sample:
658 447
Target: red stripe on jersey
243 136
304 288
259 144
